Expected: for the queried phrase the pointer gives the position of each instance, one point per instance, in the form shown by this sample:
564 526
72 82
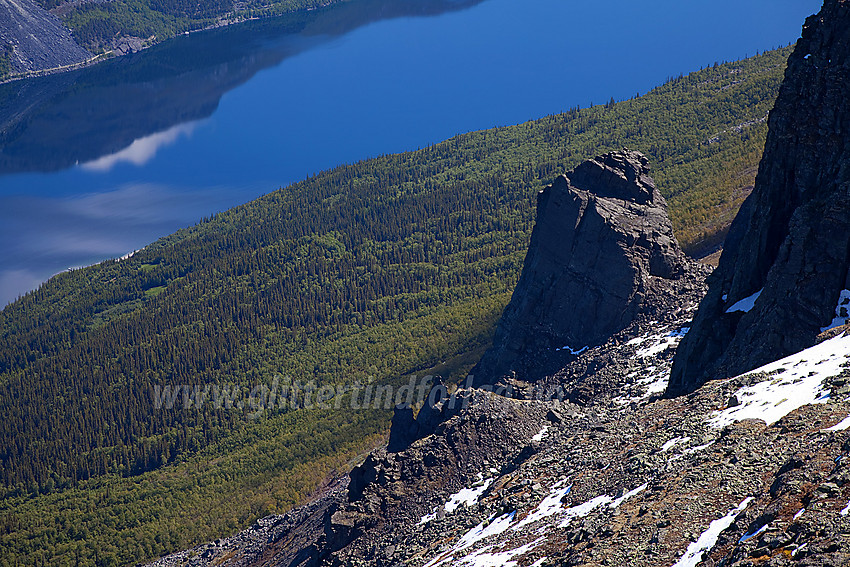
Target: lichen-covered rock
788 252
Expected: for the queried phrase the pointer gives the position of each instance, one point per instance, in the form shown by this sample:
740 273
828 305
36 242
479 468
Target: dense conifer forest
389 267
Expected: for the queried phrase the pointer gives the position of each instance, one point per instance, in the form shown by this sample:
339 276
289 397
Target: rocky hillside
489 439
742 470
589 465
33 39
732 475
784 270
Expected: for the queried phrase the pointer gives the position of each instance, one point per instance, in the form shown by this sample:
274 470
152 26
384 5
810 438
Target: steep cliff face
786 261
35 39
603 241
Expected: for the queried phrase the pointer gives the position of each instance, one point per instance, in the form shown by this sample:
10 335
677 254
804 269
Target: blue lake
97 163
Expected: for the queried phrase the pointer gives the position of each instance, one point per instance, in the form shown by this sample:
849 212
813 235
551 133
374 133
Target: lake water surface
97 163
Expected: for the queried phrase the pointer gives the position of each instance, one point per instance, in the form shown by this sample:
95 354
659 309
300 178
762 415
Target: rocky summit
784 268
576 458
602 243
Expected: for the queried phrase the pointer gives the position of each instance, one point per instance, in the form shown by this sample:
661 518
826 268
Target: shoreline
226 21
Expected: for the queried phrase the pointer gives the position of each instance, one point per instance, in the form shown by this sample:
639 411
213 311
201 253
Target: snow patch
550 506
466 497
539 436
655 382
708 539
796 381
842 311
846 510
673 442
553 505
798 514
484 558
745 304
616 503
653 350
751 535
573 352
484 530
841 426
583 510
495 526
700 447
660 342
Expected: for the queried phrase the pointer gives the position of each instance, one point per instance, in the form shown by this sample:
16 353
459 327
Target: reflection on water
88 228
102 161
52 123
142 150
124 112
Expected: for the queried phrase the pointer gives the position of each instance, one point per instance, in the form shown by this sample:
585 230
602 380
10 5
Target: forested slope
97 24
374 270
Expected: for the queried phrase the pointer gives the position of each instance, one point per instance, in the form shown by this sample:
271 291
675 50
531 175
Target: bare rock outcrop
787 257
603 242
